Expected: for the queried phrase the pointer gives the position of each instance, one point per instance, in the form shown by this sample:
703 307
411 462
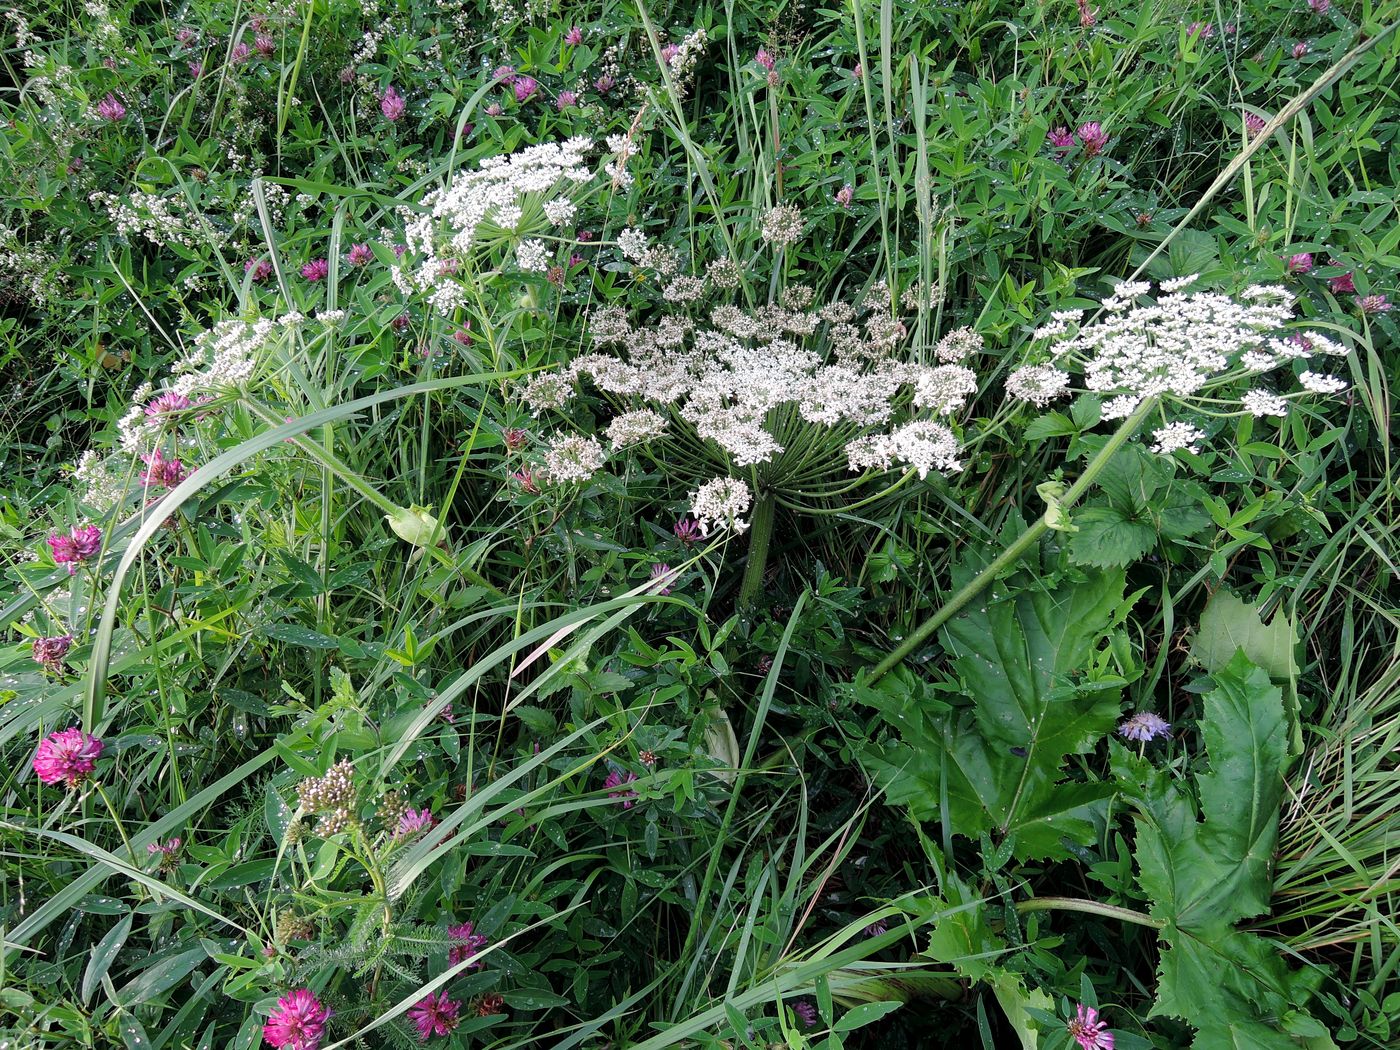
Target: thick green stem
1107 911
760 538
1023 543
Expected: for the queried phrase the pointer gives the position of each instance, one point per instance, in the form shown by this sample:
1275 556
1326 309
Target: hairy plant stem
1107 911
760 539
1022 544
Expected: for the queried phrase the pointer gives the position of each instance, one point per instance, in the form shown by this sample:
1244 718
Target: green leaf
104 955
1052 424
866 1013
304 637
1108 539
999 761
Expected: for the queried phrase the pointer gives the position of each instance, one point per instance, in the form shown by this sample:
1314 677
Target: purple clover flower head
170 401
494 109
298 1022
392 104
764 59
261 269
1373 304
316 270
619 782
574 36
605 83
110 108
435 1014
80 544
669 52
265 44
1088 1031
414 821
659 571
688 531
241 53
845 195
359 255
525 88
1344 284
50 651
196 68
161 471
505 74
1061 138
1144 727
565 100
1092 137
1300 263
805 1012
67 757
1253 124
468 943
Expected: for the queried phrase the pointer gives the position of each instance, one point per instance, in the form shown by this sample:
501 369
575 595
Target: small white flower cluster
35 270
635 428
721 503
923 444
157 219
1181 344
781 225
508 195
1176 436
572 457
683 62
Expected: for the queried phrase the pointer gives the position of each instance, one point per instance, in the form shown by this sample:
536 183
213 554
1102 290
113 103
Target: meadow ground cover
671 525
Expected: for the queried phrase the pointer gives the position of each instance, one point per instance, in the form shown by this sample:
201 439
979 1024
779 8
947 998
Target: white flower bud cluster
721 503
507 195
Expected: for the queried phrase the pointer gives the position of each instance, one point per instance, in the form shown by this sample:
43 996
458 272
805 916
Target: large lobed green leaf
1205 876
996 764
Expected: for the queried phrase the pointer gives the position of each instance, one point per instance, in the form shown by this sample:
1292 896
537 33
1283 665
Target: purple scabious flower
435 1014
1145 726
67 757
316 270
298 1022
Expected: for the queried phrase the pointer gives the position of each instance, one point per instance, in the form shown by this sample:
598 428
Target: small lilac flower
347 74
1205 29
576 260
187 36
669 52
265 44
50 651
170 401
1253 124
525 477
435 1014
78 546
494 110
261 269
1300 263
1092 137
845 195
1061 138
161 471
659 571
316 270
110 108
574 37
392 104
1342 285
1321 7
859 71
1300 49
67 756
626 794
1088 1031
605 83
414 821
525 87
805 1012
462 336
240 53
688 531
196 68
359 255
1145 726
565 100
468 943
764 59
1088 16
168 849
399 249
505 74
1373 304
298 1023
514 438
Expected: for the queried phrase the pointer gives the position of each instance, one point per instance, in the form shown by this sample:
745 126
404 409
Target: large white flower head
721 503
507 198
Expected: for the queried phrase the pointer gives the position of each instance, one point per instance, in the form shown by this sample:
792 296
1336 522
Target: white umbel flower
1261 403
721 503
572 457
1176 436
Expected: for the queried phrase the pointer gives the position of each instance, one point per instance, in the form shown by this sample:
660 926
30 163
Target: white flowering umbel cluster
789 393
1183 346
507 200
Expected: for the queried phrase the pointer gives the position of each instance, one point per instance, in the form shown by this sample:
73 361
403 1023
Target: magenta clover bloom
170 401
316 270
392 104
574 37
845 195
669 52
241 53
565 100
196 69
1300 263
1092 137
1300 49
51 651
162 471
687 530
435 1014
67 756
414 821
1061 138
265 44
1373 304
764 59
1088 1031
805 1013
298 1023
110 108
659 571
1321 7
80 544
359 255
505 74
1143 727
469 942
1253 125
167 849
462 336
494 110
525 88
261 269
605 83
626 794
1343 285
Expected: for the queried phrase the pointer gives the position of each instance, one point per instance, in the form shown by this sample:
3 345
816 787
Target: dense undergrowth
687 525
